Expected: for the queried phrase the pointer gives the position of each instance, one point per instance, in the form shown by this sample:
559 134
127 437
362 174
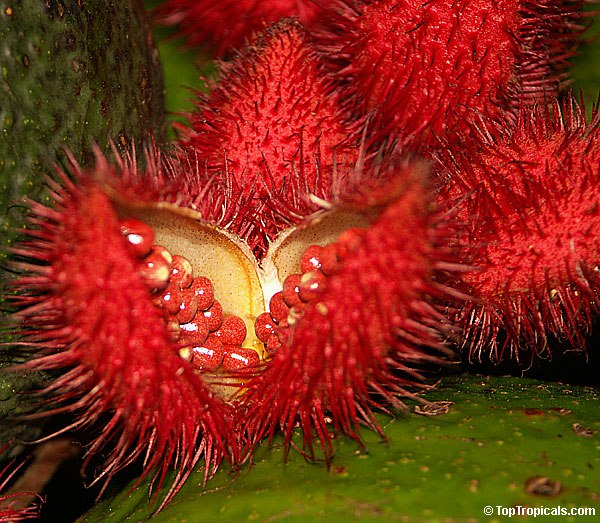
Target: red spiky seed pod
172 392
270 133
528 195
358 341
91 318
424 69
223 26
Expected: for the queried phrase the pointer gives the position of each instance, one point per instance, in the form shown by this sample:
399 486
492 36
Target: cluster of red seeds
208 338
287 306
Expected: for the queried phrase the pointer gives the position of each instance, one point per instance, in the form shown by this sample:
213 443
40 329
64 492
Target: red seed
182 271
311 285
311 258
349 241
174 329
187 307
155 270
170 300
214 316
278 308
163 251
204 291
232 331
296 313
207 356
273 344
139 235
194 332
264 326
237 359
329 259
291 294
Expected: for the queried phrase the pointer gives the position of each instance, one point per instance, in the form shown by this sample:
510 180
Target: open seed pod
166 329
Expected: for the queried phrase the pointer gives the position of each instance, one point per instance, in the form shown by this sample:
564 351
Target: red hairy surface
271 133
529 196
360 343
11 503
424 69
224 25
85 313
16 514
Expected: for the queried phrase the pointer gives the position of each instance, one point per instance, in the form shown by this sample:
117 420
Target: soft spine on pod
84 311
11 508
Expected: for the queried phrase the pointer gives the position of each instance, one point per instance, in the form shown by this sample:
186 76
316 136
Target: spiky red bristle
529 195
13 515
271 133
86 313
11 503
424 69
225 25
364 336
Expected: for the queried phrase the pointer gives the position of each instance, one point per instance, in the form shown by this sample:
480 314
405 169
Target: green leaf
497 436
